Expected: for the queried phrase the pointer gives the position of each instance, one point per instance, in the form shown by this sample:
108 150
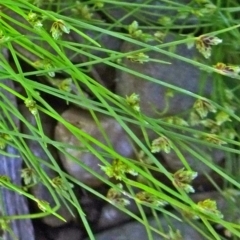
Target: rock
40 190
12 203
71 231
40 232
83 119
214 156
135 230
153 95
63 233
111 216
155 11
101 72
91 206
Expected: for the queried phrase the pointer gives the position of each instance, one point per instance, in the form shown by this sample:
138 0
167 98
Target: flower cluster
4 179
165 21
33 19
83 10
58 28
65 85
213 138
159 36
162 143
176 121
209 207
207 10
203 107
59 184
204 44
115 196
43 205
201 9
183 178
4 138
222 117
145 197
118 169
5 225
135 32
3 37
228 70
133 101
29 176
31 105
45 64
138 57
215 126
98 4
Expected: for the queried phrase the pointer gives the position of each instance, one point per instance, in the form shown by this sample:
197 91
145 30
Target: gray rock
63 233
101 72
90 206
112 216
213 156
135 230
153 95
84 120
40 234
12 203
40 190
154 11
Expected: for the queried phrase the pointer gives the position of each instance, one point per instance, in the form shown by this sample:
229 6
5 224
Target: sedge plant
214 33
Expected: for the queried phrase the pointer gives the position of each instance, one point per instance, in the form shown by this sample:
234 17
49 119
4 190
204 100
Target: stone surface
65 233
91 206
111 216
40 232
213 156
135 230
71 231
153 95
158 9
84 120
101 72
11 165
